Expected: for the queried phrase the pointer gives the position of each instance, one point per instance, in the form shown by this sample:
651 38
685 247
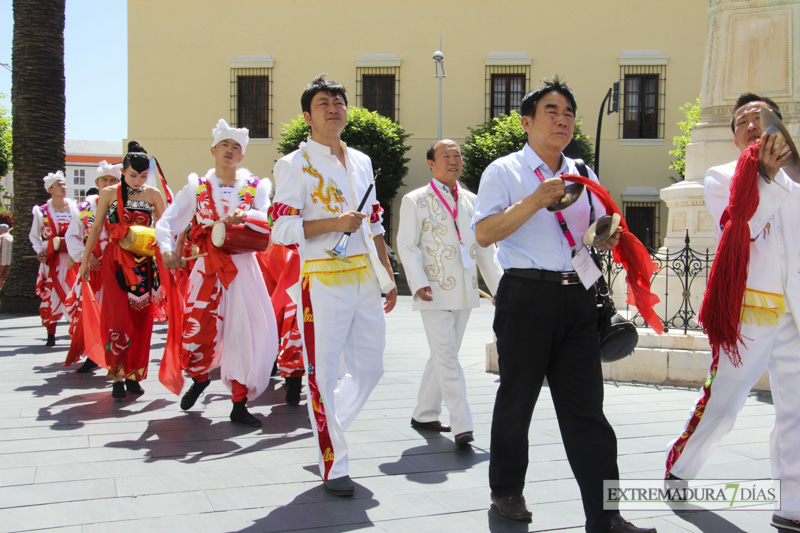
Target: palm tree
38 108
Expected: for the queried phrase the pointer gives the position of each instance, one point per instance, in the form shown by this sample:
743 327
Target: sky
95 65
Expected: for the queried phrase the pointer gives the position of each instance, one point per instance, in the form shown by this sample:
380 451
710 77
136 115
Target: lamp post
613 107
438 61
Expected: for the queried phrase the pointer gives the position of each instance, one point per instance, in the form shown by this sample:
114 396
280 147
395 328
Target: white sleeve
490 266
175 218
289 194
35 236
408 234
770 197
74 235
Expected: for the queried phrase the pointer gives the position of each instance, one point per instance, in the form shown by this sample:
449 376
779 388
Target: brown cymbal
601 229
772 124
572 192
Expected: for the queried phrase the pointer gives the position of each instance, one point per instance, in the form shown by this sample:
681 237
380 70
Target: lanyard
559 216
453 212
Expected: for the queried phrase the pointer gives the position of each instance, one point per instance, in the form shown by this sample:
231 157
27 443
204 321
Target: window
643 220
78 177
643 100
507 92
79 195
251 94
378 89
507 78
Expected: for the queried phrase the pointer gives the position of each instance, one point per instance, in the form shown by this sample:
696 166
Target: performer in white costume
49 225
317 193
769 320
228 319
441 258
83 216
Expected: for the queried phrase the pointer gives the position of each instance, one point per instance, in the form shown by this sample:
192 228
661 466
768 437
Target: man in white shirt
546 321
441 258
6 242
318 189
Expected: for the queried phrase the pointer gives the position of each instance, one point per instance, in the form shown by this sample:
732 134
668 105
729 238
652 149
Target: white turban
51 178
106 169
222 131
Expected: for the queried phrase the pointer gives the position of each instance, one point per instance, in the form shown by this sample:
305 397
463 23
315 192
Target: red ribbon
632 255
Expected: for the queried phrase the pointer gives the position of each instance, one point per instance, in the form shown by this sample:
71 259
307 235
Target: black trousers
545 329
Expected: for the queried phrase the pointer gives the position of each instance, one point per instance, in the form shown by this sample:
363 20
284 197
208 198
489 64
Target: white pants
776 348
443 378
348 328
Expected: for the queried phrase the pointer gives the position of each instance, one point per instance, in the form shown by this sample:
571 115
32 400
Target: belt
564 278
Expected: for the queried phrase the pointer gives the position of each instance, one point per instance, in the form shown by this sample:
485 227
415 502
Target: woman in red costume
131 287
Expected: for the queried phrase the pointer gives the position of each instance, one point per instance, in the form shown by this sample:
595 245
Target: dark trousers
545 329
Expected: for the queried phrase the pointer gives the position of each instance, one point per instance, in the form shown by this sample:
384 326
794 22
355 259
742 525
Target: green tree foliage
5 139
501 136
369 132
692 112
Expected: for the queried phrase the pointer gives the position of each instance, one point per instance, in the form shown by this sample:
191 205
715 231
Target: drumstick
485 294
209 224
194 256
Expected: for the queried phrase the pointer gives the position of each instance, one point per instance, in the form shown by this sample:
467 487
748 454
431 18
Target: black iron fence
679 283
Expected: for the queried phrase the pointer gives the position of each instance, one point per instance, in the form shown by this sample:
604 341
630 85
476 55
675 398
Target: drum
140 240
238 238
59 245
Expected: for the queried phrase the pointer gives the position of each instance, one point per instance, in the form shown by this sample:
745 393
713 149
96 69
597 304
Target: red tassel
632 255
720 313
174 284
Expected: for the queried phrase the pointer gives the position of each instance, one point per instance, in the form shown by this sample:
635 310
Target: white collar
533 159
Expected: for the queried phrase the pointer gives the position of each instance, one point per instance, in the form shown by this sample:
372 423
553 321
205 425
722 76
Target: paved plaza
72 459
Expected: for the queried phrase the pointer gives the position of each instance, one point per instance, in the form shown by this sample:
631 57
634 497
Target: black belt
564 278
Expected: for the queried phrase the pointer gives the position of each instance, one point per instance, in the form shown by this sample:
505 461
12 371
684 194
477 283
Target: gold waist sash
334 272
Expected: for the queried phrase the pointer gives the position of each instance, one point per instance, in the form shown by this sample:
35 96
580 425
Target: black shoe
133 387
293 388
239 415
620 525
118 390
87 367
676 488
433 425
194 392
51 339
463 439
341 486
785 525
513 507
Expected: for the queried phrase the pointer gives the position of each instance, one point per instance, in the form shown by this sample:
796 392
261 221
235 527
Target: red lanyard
559 216
453 212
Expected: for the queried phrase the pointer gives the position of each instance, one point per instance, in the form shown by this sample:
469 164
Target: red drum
238 238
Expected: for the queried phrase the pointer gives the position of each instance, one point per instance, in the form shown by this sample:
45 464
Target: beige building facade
193 61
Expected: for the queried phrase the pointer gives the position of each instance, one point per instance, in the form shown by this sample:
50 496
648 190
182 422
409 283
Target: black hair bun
134 146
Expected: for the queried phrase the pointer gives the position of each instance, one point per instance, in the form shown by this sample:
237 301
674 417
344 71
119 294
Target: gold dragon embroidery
433 224
326 195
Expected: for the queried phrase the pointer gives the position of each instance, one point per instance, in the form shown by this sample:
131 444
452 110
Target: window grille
378 89
78 177
644 221
251 101
505 87
643 99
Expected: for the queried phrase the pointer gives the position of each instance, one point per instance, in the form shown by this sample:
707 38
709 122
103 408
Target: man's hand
611 242
769 156
549 192
70 262
83 271
171 261
42 256
235 218
94 263
425 294
350 222
391 300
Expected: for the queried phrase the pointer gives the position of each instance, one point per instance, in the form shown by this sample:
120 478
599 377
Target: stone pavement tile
470 522
220 522
67 491
722 522
207 478
70 457
43 444
251 497
74 513
17 476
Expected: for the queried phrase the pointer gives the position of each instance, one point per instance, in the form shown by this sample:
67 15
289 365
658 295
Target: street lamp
438 61
613 107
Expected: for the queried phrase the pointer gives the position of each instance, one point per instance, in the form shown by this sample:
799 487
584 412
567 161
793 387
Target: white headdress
51 178
106 169
222 131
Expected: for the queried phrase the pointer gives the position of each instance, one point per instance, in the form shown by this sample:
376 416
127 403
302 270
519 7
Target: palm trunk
38 107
